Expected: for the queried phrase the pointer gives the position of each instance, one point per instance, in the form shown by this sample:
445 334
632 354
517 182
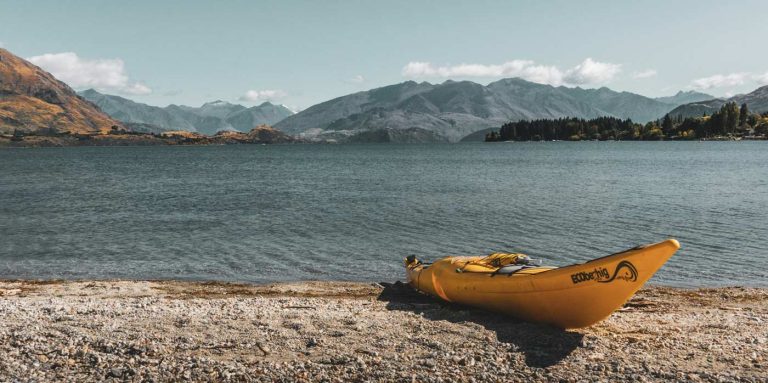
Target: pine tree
666 125
731 116
743 114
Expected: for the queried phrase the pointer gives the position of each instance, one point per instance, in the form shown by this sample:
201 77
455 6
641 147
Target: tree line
731 121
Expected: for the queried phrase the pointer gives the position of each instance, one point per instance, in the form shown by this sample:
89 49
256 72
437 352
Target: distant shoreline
298 282
100 141
133 141
262 134
95 330
666 140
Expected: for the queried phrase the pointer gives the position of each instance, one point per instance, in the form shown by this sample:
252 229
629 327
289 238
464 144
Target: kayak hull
567 297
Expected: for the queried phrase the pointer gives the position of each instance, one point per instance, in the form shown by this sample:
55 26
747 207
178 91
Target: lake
265 213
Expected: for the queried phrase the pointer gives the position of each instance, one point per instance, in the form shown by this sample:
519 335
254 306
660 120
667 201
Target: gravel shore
337 331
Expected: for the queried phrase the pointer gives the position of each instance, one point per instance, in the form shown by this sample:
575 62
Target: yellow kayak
567 297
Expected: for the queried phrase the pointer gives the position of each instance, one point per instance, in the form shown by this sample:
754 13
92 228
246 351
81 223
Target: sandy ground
336 331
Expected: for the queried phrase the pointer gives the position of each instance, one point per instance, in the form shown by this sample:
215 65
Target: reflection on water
352 212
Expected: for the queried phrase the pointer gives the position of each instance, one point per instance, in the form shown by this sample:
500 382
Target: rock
117 336
115 373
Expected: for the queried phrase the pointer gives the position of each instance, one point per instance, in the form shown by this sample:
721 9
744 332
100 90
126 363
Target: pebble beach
152 331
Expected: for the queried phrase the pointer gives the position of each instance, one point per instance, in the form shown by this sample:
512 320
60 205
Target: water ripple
352 212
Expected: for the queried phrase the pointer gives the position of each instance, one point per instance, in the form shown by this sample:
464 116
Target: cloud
729 80
262 95
719 81
761 79
592 72
137 88
358 79
171 93
102 74
426 69
588 72
293 108
645 74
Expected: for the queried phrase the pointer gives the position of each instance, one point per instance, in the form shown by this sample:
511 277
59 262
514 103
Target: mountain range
757 101
207 119
32 101
453 110
682 98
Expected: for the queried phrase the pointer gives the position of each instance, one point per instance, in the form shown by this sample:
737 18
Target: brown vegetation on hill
261 134
33 101
118 136
183 134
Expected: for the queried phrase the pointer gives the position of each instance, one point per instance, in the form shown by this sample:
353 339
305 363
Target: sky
299 53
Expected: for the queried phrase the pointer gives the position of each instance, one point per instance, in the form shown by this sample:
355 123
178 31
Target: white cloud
137 88
588 72
293 108
102 74
425 69
172 93
644 74
262 95
358 79
761 79
592 72
719 81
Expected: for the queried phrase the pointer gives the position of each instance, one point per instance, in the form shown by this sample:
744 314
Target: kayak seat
510 269
499 263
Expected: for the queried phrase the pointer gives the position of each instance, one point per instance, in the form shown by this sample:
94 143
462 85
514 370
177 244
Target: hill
453 110
621 104
33 101
688 97
697 109
757 101
129 112
207 119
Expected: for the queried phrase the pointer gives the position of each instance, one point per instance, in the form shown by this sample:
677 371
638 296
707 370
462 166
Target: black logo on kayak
624 271
597 274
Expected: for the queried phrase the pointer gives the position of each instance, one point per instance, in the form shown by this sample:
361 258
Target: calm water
352 212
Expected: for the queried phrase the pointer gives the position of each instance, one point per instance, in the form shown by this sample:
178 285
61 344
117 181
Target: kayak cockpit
494 264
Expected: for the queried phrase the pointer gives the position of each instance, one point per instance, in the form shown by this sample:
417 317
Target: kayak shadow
541 345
